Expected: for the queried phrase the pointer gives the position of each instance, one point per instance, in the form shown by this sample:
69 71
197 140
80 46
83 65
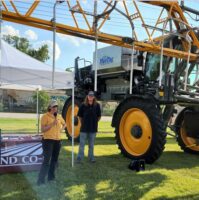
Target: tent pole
0 37
96 42
54 37
132 67
0 146
37 111
54 40
73 102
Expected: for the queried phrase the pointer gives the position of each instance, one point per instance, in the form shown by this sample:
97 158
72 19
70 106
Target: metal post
161 55
171 29
84 62
131 72
196 77
54 38
161 60
73 128
54 41
96 40
187 68
37 111
0 37
0 146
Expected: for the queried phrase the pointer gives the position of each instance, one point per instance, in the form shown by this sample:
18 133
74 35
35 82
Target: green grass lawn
174 176
8 125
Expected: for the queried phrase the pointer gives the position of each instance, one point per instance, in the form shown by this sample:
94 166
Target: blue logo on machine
106 60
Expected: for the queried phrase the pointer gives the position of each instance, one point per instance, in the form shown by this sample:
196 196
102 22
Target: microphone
55 114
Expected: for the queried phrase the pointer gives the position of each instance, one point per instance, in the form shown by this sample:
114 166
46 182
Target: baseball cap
53 103
91 93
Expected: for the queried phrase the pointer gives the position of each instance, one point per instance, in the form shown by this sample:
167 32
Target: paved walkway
33 116
18 115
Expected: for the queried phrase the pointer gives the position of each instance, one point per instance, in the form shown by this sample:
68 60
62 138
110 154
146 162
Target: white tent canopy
22 72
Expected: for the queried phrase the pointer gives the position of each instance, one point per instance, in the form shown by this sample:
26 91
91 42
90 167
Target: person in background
51 126
89 114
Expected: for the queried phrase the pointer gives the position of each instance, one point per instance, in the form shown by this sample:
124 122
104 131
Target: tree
43 98
68 69
24 45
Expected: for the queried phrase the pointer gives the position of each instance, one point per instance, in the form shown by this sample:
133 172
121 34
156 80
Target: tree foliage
24 45
43 99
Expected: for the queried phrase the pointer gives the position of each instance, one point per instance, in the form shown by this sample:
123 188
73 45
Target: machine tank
114 59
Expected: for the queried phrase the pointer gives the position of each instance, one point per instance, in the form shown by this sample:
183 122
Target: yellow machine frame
152 45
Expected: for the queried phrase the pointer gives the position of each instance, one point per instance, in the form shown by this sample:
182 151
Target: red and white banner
20 153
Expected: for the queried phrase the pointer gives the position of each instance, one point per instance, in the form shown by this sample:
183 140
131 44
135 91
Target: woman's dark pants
51 149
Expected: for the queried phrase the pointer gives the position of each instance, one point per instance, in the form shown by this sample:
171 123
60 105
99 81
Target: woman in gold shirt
51 126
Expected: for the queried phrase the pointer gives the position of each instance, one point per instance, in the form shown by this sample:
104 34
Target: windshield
169 64
153 66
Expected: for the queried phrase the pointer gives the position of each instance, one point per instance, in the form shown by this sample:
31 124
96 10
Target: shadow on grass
109 178
183 197
177 160
16 186
168 159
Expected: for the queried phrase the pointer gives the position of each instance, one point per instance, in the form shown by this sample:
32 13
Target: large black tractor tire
187 144
139 129
67 115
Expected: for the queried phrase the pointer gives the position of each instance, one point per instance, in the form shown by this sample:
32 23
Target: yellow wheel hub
189 142
69 121
135 132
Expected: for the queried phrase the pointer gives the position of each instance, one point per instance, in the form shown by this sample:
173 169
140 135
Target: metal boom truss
11 12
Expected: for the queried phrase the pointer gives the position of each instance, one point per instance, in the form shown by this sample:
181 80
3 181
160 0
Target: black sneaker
51 179
78 161
93 160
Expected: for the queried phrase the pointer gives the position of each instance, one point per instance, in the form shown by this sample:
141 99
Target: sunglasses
55 107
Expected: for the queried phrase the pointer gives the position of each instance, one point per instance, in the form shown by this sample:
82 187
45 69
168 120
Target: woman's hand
54 122
48 127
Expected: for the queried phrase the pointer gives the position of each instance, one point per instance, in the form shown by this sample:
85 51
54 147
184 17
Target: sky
69 47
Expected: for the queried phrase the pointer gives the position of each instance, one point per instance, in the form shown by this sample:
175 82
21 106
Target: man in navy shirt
89 114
